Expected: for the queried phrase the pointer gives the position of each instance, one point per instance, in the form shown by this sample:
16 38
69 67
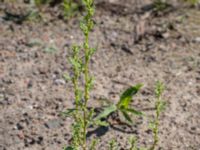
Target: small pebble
197 40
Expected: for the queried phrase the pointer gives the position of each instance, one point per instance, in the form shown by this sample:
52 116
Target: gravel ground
134 45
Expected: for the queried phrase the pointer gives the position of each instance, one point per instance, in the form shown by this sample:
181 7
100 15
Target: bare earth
134 45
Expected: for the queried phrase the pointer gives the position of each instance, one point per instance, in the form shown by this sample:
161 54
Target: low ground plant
123 106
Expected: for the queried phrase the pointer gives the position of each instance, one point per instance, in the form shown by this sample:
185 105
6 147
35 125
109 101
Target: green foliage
126 96
160 5
70 8
113 145
80 67
68 148
133 142
77 135
68 112
93 145
160 106
123 106
106 112
82 115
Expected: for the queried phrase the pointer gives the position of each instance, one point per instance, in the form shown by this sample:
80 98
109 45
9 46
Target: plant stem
87 26
159 105
81 67
155 131
86 72
86 93
76 77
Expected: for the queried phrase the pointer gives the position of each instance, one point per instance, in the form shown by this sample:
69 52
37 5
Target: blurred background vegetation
66 9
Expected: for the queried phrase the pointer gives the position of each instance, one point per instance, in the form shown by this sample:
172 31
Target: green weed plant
81 114
85 117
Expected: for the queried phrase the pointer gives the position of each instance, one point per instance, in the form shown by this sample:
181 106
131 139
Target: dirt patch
134 46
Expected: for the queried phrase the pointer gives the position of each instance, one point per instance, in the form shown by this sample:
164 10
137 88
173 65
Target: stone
52 124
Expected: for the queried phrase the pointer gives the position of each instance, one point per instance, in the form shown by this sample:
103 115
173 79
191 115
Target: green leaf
91 83
84 27
93 144
126 116
68 112
90 115
75 49
133 143
69 148
51 49
92 51
126 96
152 125
101 123
106 112
133 111
159 89
161 106
66 77
105 102
74 62
113 145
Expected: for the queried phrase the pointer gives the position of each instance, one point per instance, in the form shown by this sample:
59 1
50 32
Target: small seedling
123 106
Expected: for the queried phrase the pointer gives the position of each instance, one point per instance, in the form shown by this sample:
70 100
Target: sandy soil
133 44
